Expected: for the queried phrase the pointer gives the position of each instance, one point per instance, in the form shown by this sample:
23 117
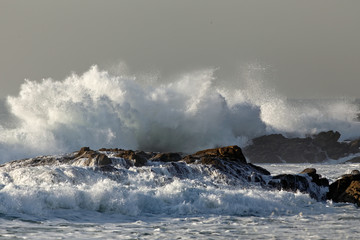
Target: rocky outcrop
316 178
307 181
276 148
229 160
222 164
354 160
209 156
136 158
167 157
346 189
88 157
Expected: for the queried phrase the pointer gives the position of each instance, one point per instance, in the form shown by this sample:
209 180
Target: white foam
98 110
39 191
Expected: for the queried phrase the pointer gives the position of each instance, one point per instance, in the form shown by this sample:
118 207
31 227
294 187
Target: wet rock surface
315 177
136 158
276 148
346 189
166 157
307 181
92 158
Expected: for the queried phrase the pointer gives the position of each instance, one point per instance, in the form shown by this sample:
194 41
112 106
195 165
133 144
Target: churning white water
98 109
152 202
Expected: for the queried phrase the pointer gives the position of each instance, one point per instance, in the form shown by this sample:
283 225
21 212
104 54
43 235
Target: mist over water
98 109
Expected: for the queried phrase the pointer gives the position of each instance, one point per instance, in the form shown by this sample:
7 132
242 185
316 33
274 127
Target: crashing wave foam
98 109
157 188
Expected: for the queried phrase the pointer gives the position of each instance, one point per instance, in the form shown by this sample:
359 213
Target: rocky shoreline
229 163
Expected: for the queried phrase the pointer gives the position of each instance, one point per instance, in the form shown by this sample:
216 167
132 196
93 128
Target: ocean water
152 202
98 109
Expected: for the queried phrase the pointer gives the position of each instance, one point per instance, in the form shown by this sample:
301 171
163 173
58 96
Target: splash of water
98 109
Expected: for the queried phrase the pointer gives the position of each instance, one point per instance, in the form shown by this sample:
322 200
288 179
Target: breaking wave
98 109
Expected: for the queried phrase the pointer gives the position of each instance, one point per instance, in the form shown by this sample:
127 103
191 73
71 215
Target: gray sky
312 47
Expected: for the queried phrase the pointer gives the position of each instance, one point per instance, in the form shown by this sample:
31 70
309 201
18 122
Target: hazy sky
312 48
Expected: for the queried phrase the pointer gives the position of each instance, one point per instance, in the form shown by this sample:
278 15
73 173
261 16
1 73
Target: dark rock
111 149
167 157
260 169
127 154
216 162
97 160
230 153
138 158
325 139
316 178
230 161
190 159
293 182
318 148
355 145
82 151
346 189
309 171
290 182
217 156
277 149
94 158
352 193
354 160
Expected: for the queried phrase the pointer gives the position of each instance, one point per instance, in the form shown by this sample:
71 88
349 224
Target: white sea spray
190 113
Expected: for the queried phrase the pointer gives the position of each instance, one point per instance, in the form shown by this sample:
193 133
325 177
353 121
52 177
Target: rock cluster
276 148
228 161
